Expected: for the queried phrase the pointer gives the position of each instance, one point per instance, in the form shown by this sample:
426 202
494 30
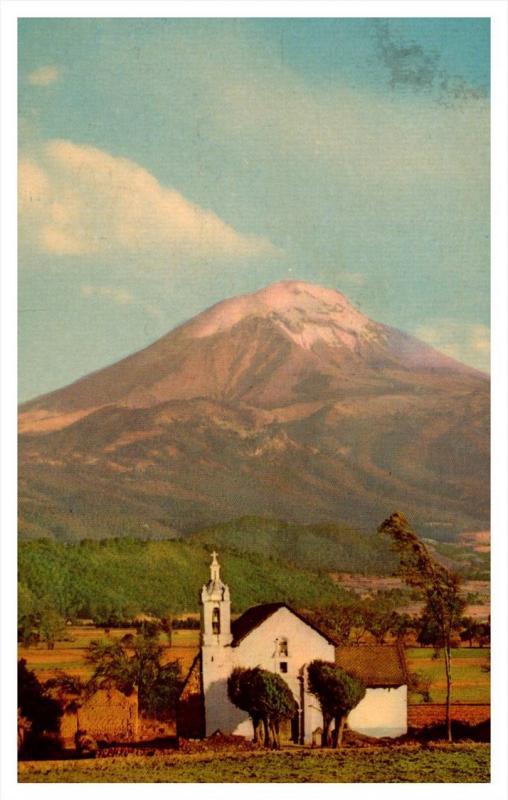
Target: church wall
261 648
382 712
284 644
220 713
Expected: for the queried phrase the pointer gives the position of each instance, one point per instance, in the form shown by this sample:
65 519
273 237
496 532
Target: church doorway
295 728
290 730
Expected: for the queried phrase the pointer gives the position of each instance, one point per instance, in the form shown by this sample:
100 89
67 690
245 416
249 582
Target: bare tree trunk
267 732
274 728
448 669
339 730
325 736
257 730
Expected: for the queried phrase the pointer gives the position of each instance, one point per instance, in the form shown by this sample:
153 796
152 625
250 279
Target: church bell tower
215 610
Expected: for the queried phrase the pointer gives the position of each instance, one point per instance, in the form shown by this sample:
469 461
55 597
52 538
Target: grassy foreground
448 764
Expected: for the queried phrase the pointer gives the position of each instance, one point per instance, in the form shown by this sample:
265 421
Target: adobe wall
108 716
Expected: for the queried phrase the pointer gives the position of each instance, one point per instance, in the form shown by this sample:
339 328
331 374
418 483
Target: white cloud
352 278
467 342
119 296
363 136
44 76
76 200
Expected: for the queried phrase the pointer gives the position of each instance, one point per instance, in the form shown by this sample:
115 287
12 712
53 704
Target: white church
277 638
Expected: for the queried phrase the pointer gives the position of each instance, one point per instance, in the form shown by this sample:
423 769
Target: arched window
216 620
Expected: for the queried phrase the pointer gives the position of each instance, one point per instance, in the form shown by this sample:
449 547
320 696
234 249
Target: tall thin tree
440 588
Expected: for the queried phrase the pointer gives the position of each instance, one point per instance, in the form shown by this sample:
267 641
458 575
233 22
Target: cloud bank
466 342
76 200
44 76
120 296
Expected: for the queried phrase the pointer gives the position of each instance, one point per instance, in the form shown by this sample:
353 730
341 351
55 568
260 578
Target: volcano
288 402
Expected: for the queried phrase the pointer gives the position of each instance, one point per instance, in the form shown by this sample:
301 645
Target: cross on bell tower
215 609
215 568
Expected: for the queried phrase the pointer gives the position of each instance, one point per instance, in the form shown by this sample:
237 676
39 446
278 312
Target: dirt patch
218 743
428 714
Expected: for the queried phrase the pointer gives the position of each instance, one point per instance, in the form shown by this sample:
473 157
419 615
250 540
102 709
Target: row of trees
266 697
38 619
349 623
356 621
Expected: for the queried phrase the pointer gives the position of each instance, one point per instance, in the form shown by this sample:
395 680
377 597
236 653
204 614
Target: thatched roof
376 665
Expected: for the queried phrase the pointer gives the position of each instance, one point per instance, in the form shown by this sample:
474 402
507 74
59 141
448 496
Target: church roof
376 665
253 617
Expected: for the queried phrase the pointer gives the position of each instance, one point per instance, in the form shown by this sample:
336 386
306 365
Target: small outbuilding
382 669
108 715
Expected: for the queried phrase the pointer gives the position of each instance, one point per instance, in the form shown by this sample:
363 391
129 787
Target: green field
70 656
450 764
470 680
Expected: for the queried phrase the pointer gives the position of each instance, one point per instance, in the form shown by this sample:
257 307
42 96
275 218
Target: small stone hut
108 715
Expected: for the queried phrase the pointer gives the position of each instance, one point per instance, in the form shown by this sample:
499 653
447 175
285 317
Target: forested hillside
114 579
329 548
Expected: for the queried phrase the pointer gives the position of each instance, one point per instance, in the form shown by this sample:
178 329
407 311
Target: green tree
402 625
380 622
241 694
277 703
483 632
267 699
35 704
27 616
167 627
51 626
345 622
439 587
337 692
137 662
474 630
420 683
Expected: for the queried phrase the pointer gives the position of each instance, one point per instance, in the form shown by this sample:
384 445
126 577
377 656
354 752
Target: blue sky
167 164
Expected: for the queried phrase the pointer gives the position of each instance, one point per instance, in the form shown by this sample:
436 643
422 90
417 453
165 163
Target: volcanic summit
286 402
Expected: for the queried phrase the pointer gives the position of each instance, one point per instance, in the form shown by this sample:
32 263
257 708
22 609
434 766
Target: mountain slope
288 402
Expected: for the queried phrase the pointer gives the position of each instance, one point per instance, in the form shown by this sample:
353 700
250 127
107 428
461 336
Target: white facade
382 712
283 643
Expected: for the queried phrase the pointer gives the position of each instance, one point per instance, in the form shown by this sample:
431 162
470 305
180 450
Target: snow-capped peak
305 312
